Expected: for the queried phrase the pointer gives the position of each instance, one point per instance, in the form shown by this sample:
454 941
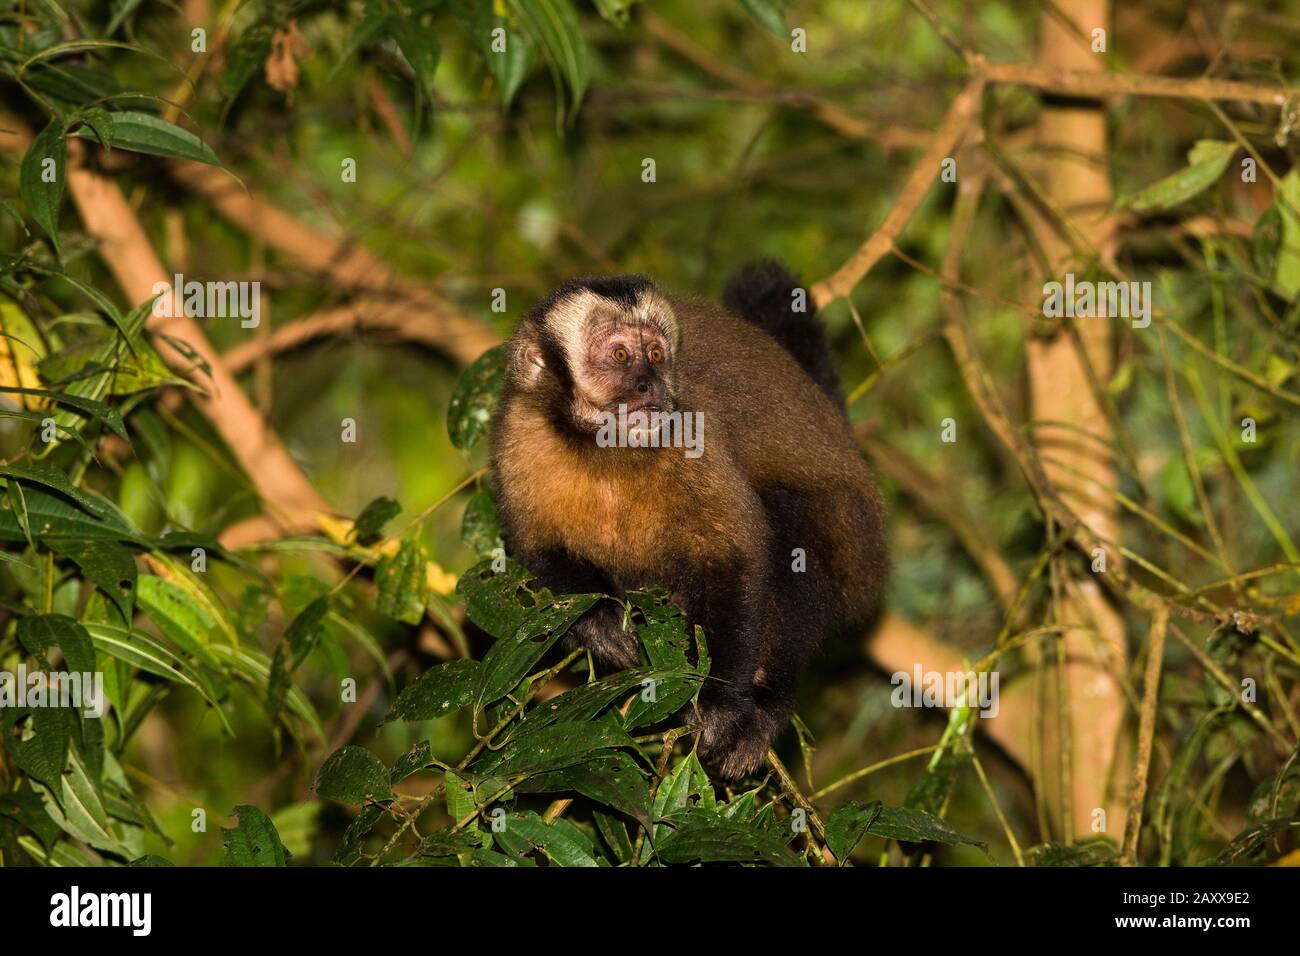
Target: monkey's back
784 433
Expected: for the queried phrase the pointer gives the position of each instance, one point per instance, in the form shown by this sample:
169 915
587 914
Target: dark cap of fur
623 290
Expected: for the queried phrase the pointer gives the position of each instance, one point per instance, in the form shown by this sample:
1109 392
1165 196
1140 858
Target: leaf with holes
253 841
352 775
475 399
437 692
110 565
403 582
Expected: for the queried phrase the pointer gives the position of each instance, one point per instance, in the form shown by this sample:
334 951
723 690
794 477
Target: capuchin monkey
644 439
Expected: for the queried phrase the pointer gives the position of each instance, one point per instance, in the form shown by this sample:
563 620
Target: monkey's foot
600 631
732 742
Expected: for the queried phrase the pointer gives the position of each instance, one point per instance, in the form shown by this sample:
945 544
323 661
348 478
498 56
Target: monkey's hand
601 631
732 742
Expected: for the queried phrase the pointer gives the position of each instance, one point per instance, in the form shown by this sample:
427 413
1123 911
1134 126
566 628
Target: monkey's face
623 363
589 354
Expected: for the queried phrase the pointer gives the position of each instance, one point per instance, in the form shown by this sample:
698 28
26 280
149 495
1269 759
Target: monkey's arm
728 601
600 630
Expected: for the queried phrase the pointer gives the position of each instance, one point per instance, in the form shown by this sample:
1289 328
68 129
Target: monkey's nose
643 387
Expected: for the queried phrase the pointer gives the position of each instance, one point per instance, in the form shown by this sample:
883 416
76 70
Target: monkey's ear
533 364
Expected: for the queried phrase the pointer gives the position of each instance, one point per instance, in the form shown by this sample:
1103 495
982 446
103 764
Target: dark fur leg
732 742
600 630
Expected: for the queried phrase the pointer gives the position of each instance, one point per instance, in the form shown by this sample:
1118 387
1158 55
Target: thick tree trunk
1073 174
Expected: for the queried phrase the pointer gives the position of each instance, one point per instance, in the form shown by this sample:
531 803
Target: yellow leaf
21 349
440 582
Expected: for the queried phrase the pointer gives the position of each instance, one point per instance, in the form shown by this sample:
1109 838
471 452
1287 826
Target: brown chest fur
606 505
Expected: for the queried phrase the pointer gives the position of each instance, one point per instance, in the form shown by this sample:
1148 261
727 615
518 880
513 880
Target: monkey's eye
655 355
620 355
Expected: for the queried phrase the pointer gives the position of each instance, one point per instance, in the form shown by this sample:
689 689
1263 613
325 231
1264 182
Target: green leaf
508 66
918 826
552 748
403 582
684 787
414 760
51 517
1206 162
442 844
354 836
554 25
663 635
499 603
374 516
40 184
146 133
437 692
80 811
421 49
254 668
109 565
38 738
932 789
100 122
353 775
1266 240
562 845
509 660
108 415
122 10
459 796
41 632
300 638
709 837
479 528
612 779
1178 492
253 841
1286 271
484 857
614 833
1250 843
28 809
178 616
770 14
80 46
1092 851
847 825
375 23
586 701
245 57
152 656
472 404
50 477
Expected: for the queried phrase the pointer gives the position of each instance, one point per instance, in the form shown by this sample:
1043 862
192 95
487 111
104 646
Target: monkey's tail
768 295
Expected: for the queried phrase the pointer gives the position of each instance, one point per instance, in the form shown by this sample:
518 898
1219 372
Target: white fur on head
569 320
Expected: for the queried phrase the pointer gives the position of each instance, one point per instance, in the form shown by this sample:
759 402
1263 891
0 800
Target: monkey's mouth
645 405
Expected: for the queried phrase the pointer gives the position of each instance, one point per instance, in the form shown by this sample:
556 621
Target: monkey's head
596 344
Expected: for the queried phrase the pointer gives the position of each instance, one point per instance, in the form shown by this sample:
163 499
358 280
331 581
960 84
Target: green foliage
500 145
1206 162
475 399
